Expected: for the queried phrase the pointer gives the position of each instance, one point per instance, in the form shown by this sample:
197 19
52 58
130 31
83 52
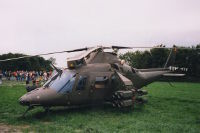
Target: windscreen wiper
59 71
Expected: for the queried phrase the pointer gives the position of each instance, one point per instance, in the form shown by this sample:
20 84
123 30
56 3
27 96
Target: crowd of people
26 75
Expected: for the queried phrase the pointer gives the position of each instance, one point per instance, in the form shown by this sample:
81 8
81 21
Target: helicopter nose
24 101
41 96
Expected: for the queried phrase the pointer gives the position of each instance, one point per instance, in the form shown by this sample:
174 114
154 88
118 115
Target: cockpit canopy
62 82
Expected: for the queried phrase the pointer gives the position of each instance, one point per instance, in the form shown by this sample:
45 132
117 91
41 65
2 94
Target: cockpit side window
81 83
68 86
101 82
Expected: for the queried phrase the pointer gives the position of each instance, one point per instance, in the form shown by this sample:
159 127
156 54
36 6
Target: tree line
35 63
153 58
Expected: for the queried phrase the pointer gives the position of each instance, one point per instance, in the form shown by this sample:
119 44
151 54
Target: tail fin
171 58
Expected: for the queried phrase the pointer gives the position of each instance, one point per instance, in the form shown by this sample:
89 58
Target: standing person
42 74
23 75
4 74
45 75
30 74
14 74
27 78
18 76
1 75
9 75
37 74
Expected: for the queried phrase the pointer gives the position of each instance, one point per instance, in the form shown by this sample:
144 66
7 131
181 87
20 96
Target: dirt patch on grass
4 128
7 128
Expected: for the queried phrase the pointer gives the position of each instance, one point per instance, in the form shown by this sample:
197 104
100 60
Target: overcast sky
39 26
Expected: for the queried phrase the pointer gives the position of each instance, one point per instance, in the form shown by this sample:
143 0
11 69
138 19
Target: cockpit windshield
61 82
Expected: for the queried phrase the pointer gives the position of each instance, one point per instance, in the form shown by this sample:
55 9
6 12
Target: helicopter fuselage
89 84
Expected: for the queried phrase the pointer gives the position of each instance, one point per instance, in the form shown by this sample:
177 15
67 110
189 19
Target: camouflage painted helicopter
96 77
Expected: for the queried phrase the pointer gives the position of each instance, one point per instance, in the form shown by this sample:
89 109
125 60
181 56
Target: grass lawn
169 109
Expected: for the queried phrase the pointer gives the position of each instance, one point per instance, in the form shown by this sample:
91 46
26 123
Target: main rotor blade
120 47
57 52
157 47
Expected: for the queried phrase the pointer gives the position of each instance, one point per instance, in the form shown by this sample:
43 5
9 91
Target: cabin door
80 91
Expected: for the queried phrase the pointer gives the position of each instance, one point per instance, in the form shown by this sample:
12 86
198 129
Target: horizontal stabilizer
173 75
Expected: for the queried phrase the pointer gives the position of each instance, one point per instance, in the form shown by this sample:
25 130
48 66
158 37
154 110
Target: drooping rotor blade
120 47
57 52
123 47
76 50
124 79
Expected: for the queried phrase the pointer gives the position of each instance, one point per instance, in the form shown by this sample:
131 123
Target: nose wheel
47 109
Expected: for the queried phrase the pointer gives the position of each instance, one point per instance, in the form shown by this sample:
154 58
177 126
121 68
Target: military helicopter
96 77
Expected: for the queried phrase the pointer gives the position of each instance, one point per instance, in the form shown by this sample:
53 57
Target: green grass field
169 109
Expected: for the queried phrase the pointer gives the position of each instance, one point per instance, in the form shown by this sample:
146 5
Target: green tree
31 63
